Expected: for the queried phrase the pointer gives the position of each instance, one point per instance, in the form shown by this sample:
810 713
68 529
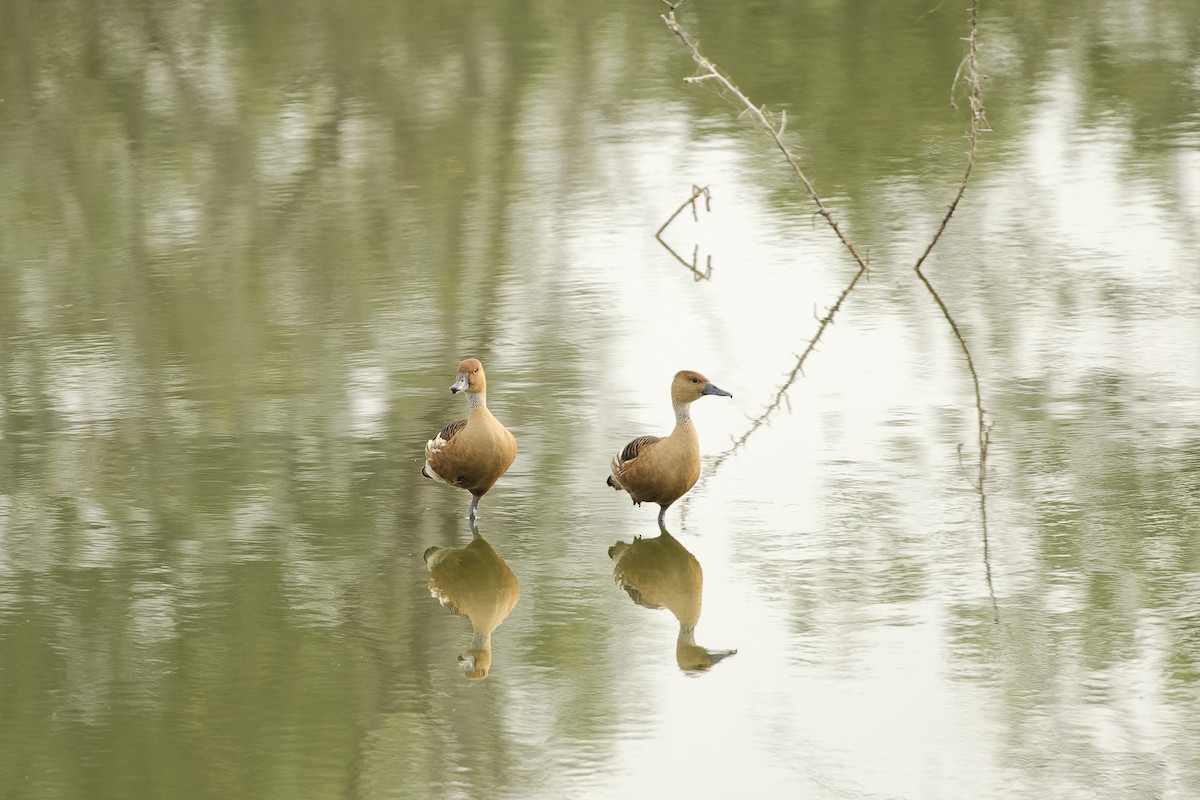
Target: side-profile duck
476 583
662 573
655 469
471 453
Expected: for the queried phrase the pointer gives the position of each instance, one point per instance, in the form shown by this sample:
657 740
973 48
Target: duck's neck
477 400
683 415
481 641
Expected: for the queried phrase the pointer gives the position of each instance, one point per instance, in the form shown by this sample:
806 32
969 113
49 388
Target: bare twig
697 193
923 16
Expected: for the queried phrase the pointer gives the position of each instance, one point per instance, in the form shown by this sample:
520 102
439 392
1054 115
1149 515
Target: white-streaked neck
481 641
477 399
683 414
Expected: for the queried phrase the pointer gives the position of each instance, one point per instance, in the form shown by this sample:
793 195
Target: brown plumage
471 453
662 573
655 469
476 583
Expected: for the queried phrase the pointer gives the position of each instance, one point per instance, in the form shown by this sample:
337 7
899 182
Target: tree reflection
662 573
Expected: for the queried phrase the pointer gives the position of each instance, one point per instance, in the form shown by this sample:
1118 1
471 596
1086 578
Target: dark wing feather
632 449
453 428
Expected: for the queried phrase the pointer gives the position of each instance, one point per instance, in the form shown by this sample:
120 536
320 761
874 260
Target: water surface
246 246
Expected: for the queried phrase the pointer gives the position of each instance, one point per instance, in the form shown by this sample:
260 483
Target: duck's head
694 658
470 377
691 657
476 663
689 386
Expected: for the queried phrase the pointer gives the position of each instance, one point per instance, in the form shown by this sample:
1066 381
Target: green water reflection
244 245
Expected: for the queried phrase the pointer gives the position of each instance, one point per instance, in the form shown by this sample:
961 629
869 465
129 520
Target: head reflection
476 583
662 573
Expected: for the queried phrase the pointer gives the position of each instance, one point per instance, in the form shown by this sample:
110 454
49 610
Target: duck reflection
662 573
476 583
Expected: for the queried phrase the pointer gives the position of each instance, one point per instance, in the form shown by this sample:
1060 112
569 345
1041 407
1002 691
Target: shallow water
246 247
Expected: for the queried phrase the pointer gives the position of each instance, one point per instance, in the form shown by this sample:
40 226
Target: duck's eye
695 380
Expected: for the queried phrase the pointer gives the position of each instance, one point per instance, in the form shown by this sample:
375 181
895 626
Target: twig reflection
797 370
662 573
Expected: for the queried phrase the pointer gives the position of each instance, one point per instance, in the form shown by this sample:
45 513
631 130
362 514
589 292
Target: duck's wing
454 427
444 436
634 449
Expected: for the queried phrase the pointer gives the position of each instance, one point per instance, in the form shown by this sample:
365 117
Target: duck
471 453
661 573
476 583
656 469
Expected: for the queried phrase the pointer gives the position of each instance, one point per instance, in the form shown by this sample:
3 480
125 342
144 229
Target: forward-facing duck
471 453
656 469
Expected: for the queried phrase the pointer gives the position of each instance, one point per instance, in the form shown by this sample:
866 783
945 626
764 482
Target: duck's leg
471 511
662 523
